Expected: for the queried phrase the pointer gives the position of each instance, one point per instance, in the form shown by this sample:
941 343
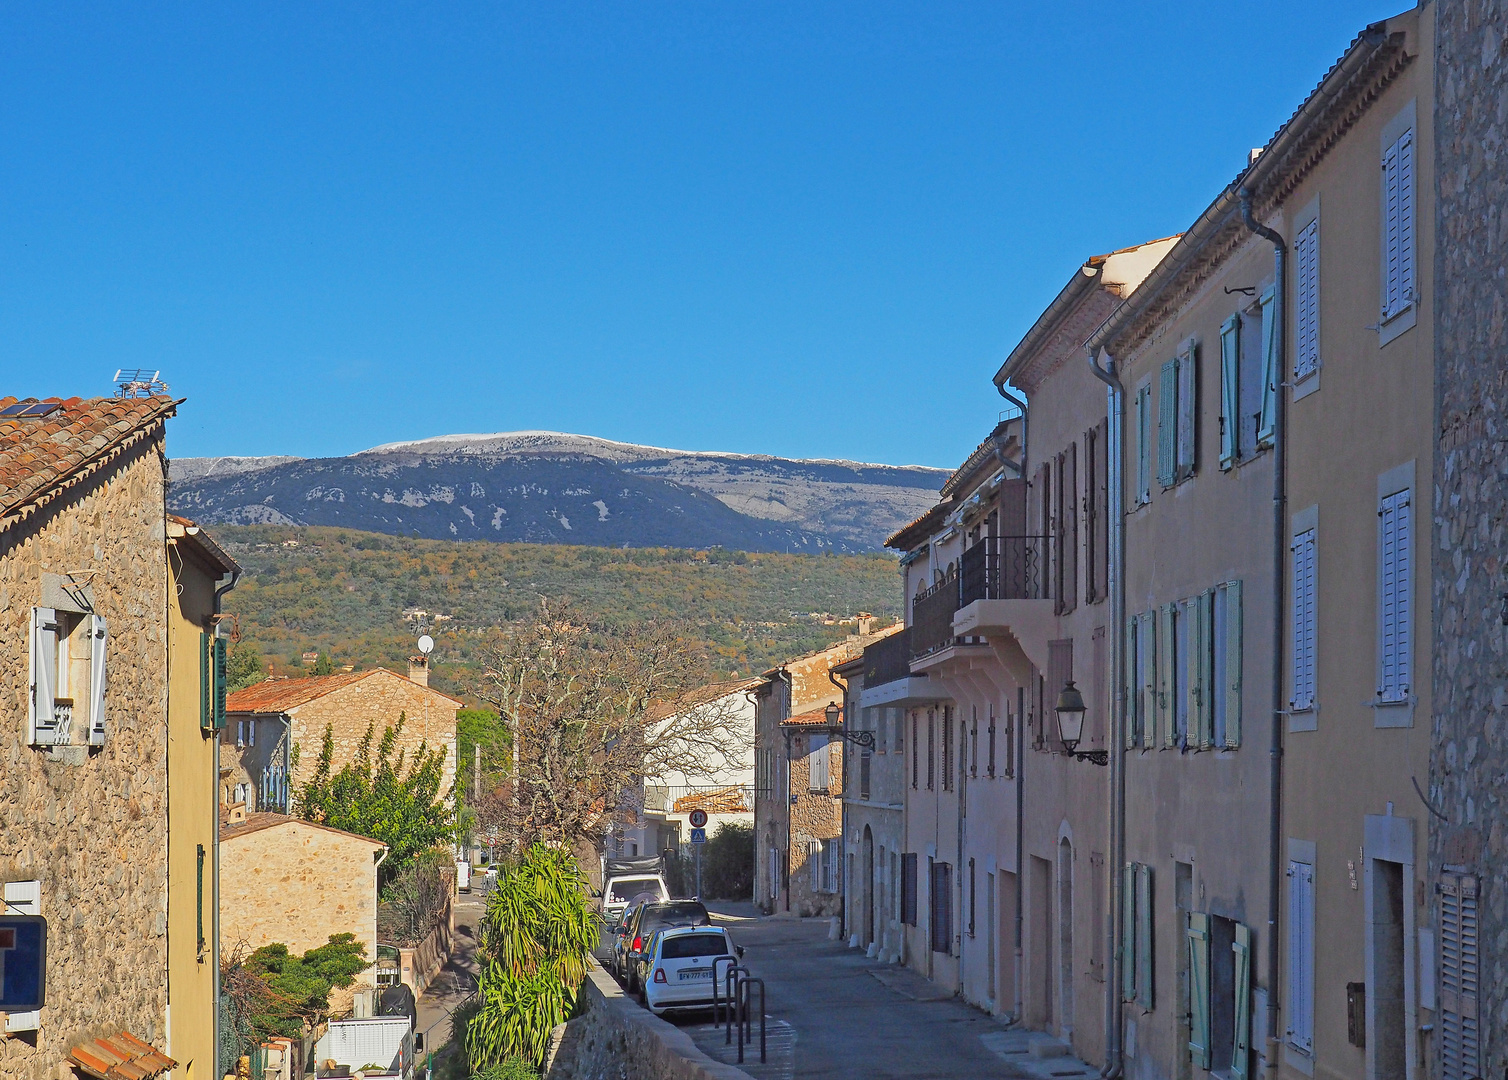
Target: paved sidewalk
833 1013
457 980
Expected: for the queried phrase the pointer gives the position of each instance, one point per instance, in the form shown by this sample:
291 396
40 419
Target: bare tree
595 714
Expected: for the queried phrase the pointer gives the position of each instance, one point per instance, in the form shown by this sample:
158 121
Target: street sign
23 962
698 819
698 836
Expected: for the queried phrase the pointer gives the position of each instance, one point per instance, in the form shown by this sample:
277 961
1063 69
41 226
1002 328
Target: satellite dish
426 644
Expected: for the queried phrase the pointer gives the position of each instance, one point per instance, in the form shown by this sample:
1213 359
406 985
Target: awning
120 1057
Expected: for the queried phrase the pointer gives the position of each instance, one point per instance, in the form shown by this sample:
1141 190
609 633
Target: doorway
1385 994
1039 941
1065 938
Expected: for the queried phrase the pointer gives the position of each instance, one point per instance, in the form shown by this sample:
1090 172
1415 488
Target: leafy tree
323 665
273 992
244 667
536 936
728 862
484 728
403 808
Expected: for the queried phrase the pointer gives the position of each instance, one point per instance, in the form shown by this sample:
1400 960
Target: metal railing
932 615
1005 568
888 659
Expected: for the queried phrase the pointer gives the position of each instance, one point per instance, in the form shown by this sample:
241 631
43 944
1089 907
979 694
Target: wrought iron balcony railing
1005 568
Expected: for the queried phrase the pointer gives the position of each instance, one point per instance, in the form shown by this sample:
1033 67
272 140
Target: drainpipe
785 871
1279 532
1116 583
1020 1004
1020 404
843 807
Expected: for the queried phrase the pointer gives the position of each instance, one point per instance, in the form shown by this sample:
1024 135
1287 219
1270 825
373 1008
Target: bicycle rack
745 1025
731 981
717 1001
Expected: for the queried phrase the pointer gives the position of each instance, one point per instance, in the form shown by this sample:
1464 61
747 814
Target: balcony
932 616
888 659
1005 568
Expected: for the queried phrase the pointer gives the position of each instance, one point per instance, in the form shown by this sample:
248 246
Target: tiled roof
815 717
120 1057
703 695
728 800
257 822
276 696
41 456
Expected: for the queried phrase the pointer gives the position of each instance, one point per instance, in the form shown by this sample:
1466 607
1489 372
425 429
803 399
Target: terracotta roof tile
257 822
120 1057
274 696
39 456
815 717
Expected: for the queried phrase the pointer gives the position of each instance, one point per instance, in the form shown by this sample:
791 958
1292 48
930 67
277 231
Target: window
1167 675
941 910
1065 530
1096 513
1460 972
817 761
1178 408
212 682
973 896
67 678
931 748
1306 301
915 752
1227 664
1147 647
947 748
1398 226
990 763
774 873
1303 550
1219 994
1142 473
1395 594
1136 935
908 888
1248 354
825 856
1300 1010
974 742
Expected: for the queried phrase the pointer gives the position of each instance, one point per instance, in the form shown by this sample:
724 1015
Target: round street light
1070 710
834 716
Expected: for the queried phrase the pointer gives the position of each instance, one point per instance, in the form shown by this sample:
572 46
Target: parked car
647 919
623 879
680 964
613 932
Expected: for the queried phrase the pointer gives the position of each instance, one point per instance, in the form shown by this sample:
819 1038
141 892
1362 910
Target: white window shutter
1231 592
1303 620
1271 376
1398 225
1144 954
1188 412
1240 1053
1128 932
1148 649
1395 598
1167 424
99 640
1199 988
1132 689
1460 973
1301 957
1306 308
41 711
1230 397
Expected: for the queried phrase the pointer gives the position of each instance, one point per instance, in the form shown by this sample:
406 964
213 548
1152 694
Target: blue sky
796 228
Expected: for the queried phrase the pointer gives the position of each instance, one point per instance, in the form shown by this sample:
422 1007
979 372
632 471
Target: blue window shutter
1231 593
1199 988
1147 649
1167 425
1188 412
1300 1007
1204 658
1144 954
1128 932
1303 572
1230 395
1240 1054
1306 297
1144 445
1270 373
1132 689
1167 678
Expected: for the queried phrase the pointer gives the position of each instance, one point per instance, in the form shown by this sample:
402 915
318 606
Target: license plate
691 974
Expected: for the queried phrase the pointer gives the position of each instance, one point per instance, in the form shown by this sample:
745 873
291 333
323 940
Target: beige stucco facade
291 881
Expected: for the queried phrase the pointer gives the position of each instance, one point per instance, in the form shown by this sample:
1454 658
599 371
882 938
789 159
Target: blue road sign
23 962
698 836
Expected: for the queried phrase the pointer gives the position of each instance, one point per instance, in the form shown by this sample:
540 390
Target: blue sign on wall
23 962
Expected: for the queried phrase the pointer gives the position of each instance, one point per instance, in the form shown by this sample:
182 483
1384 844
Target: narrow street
457 981
833 1013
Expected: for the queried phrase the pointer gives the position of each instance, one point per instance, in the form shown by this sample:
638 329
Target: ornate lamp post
1070 710
834 715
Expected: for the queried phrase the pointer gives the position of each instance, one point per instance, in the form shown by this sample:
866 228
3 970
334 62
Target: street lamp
834 715
1070 710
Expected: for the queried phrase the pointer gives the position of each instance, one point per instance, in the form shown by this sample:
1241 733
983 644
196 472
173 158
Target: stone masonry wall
1470 747
815 816
297 884
429 718
95 833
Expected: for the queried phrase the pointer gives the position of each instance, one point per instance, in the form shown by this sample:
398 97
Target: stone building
292 881
1468 822
107 623
275 729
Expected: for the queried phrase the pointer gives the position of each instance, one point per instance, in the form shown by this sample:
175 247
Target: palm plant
536 936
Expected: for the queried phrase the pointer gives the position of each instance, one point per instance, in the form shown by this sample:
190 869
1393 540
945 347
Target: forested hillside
355 597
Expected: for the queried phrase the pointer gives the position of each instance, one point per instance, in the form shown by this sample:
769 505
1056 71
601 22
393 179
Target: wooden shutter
1167 425
816 759
1398 225
1300 1010
1144 910
1396 597
99 640
1132 689
42 708
1188 412
1068 485
1091 515
1149 649
1231 673
1201 648
1270 373
1306 306
1128 932
218 663
1167 678
1199 989
1144 445
1303 620
1460 970
206 683
1240 1053
1230 386
1059 672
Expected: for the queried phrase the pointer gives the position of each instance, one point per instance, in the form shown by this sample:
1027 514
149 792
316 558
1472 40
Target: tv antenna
139 383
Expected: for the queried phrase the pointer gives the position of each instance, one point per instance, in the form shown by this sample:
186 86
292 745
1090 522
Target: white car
677 968
620 890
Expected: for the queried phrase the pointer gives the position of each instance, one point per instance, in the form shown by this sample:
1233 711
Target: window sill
1397 324
1306 719
1393 714
1300 1060
1306 385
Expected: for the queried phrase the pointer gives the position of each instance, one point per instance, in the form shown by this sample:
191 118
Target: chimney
866 624
418 669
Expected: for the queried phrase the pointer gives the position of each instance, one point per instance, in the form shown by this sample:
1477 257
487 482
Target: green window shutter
1231 591
1147 647
1240 1054
1204 660
1167 680
1188 411
1199 989
206 683
1167 425
1144 937
1128 932
220 646
1144 445
1132 687
1270 345
1230 398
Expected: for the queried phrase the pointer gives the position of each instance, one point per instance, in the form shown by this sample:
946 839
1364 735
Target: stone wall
296 883
418 966
815 815
93 832
379 699
1470 747
617 1040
